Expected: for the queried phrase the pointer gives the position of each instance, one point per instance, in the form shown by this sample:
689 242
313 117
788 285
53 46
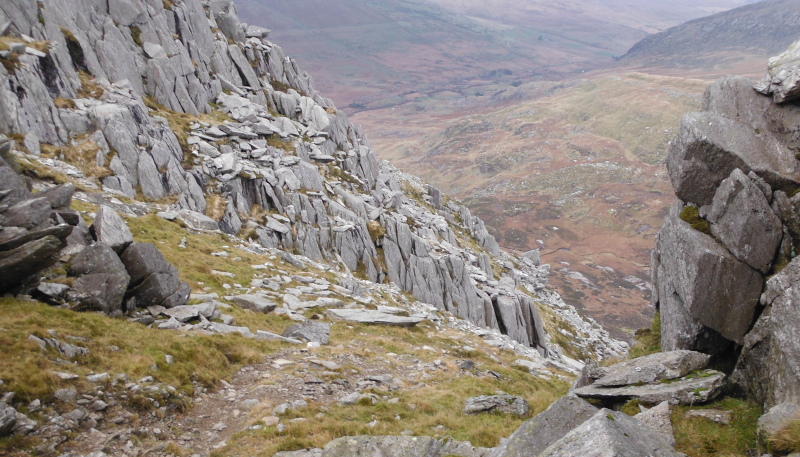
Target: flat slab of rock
699 387
254 302
611 434
654 367
368 316
185 313
400 446
534 435
199 221
505 403
658 418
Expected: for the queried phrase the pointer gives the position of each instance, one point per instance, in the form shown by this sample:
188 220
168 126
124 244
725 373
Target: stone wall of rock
720 274
292 171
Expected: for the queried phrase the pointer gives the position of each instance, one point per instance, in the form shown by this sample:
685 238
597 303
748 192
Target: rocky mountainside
734 41
153 147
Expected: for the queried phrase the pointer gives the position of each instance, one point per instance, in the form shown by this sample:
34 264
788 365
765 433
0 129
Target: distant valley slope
734 41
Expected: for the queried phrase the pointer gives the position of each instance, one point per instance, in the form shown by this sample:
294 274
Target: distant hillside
733 39
373 53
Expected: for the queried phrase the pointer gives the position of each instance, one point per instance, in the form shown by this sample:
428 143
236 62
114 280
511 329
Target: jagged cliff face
180 102
724 264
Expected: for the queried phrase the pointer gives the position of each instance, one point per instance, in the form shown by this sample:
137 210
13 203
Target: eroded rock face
702 289
699 387
399 446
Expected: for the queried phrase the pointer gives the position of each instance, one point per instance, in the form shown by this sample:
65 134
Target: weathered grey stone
311 331
399 446
658 418
768 369
654 367
186 313
253 302
367 316
101 279
782 80
302 453
534 435
61 231
504 403
714 415
700 286
699 387
611 434
109 228
741 218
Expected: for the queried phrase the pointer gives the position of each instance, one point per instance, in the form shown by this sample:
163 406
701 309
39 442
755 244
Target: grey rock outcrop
535 435
736 160
367 316
311 331
253 302
611 434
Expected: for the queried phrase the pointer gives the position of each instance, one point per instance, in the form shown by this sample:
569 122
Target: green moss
691 215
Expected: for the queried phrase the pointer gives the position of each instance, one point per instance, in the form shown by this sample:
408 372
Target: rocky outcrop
734 168
154 281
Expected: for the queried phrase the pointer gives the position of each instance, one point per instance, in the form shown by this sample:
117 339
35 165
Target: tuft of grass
82 155
691 215
276 142
376 230
89 88
136 34
180 122
64 103
699 437
647 340
786 440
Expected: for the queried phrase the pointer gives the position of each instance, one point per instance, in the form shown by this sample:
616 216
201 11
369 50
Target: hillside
734 41
374 53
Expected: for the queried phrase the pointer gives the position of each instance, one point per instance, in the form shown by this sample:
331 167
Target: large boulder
702 291
768 369
611 434
534 435
153 280
100 279
742 219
